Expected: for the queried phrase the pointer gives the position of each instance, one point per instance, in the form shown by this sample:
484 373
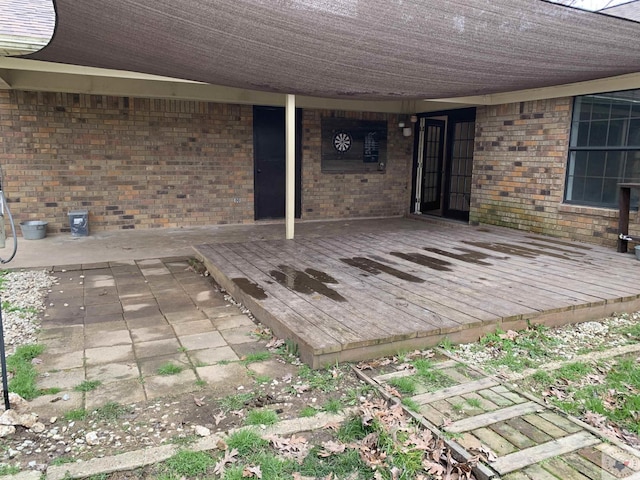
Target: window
604 148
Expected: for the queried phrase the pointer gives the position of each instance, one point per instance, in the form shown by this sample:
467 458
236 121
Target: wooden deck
360 294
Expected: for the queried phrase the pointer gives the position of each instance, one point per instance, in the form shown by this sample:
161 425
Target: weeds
405 385
261 417
235 402
76 415
24 374
256 357
110 411
88 385
169 369
188 464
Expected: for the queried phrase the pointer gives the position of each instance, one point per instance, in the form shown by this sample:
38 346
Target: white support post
290 182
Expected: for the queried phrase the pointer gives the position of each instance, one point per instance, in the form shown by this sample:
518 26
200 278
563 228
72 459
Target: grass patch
9 470
246 441
188 464
256 357
353 430
609 389
110 411
261 417
431 378
411 404
183 440
88 385
169 369
333 405
474 402
23 381
62 461
76 415
235 402
324 380
341 466
405 385
308 411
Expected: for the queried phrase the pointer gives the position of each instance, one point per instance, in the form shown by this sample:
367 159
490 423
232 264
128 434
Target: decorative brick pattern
519 173
133 163
333 195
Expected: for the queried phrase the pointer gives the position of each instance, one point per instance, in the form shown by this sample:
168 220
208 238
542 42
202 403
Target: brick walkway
530 440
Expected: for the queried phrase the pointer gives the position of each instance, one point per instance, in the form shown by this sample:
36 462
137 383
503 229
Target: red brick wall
519 173
133 163
332 195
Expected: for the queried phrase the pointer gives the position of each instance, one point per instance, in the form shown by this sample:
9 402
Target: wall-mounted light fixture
405 127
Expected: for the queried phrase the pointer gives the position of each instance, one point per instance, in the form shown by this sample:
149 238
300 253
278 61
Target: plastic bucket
637 249
33 229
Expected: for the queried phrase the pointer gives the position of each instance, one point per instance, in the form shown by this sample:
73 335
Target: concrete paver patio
119 322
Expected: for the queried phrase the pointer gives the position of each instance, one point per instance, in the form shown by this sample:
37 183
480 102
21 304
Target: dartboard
342 142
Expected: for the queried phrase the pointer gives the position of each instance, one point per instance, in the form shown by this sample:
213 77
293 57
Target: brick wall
142 163
332 195
133 163
519 173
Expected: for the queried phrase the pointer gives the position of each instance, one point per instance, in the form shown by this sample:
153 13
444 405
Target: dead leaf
274 343
335 426
331 448
392 391
423 440
488 454
433 468
198 401
250 472
219 417
229 457
509 335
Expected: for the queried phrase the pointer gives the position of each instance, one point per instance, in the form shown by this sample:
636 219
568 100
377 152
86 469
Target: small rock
92 438
18 403
202 431
28 420
37 427
66 397
6 430
10 417
53 420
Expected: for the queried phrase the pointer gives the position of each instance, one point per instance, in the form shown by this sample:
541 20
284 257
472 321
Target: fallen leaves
251 472
228 458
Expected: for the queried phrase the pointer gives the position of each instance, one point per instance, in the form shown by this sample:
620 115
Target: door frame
451 117
298 161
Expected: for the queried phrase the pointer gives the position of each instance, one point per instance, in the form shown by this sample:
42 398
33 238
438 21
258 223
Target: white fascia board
629 81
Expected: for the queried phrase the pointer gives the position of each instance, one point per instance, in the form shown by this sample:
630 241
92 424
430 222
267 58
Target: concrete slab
64 379
113 372
233 321
101 327
219 312
108 338
104 309
61 332
156 348
185 315
162 386
238 335
232 375
143 322
149 366
61 361
115 353
150 310
91 319
154 332
191 328
273 368
124 392
47 406
200 341
211 356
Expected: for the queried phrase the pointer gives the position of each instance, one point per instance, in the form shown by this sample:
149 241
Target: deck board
467 281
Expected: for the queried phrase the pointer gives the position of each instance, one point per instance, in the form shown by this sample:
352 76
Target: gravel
23 301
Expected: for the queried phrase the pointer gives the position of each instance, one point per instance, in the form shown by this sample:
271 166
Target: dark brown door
269 162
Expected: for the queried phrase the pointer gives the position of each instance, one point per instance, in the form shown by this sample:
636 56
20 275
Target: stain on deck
361 295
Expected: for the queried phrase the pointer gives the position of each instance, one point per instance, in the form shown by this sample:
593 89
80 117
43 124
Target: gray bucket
33 229
637 249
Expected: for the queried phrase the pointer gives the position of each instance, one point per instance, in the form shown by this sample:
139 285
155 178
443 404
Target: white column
290 182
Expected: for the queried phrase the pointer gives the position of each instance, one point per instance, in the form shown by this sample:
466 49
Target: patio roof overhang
349 49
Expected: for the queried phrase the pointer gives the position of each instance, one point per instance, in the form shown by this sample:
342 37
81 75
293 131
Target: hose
3 203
